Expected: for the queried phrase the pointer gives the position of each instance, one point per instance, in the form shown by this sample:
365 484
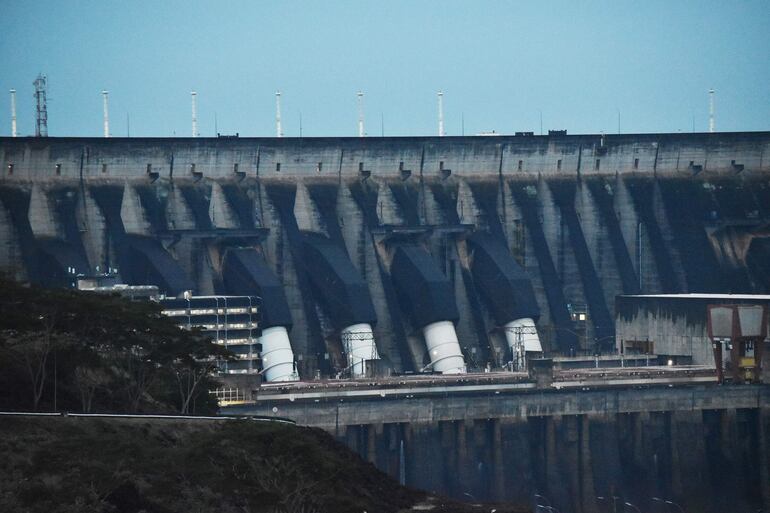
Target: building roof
739 297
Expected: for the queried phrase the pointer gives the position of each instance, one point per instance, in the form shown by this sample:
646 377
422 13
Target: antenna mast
41 125
360 96
194 98
105 95
13 112
441 114
278 128
712 126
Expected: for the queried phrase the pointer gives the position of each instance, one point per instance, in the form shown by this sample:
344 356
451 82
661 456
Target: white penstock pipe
358 343
444 348
524 331
277 356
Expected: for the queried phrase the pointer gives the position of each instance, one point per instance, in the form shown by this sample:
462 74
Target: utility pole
712 124
360 97
278 129
13 112
441 132
194 98
105 99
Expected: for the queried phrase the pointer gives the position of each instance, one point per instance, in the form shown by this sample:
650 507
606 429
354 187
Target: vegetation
68 350
122 465
74 351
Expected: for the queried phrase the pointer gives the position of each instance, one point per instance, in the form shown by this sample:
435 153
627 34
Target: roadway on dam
331 404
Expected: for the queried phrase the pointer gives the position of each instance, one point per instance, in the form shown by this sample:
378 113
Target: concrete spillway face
358 344
41 216
306 212
467 209
277 356
132 214
444 348
388 211
220 211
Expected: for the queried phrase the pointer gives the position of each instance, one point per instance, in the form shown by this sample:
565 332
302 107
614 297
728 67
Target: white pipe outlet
444 348
523 330
277 356
358 343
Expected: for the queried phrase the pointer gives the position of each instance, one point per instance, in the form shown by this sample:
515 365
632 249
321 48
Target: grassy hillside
73 351
90 465
171 466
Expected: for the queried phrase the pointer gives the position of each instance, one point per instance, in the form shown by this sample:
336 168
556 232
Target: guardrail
503 383
257 418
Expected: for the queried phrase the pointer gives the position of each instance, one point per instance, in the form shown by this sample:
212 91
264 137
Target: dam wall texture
703 447
400 234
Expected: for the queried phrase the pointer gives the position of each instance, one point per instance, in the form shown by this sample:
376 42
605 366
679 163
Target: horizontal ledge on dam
516 406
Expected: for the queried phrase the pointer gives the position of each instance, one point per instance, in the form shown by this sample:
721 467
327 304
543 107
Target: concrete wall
677 326
705 448
410 181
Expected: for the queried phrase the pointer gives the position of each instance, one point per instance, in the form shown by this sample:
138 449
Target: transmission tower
41 125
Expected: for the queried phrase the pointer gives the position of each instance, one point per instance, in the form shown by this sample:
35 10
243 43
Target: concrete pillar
763 431
449 446
463 462
41 214
132 214
690 475
556 491
498 468
306 212
391 452
569 450
467 210
587 488
519 464
220 211
431 212
371 442
388 211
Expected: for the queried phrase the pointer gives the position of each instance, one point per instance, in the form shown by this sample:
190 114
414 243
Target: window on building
636 163
598 163
278 167
104 168
558 165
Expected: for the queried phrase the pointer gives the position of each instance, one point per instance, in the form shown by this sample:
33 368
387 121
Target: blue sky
500 64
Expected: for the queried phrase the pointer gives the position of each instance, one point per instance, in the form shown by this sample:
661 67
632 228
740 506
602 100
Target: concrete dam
426 253
441 259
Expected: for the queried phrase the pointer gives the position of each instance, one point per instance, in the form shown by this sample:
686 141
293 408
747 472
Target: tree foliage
63 465
81 351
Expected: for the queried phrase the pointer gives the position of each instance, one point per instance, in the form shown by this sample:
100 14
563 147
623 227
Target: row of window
210 311
221 326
